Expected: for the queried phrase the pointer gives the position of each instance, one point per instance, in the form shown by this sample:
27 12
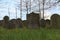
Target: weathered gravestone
12 24
42 23
5 22
33 20
55 21
25 23
47 22
1 22
19 23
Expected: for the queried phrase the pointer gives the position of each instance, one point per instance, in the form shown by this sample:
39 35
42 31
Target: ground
29 34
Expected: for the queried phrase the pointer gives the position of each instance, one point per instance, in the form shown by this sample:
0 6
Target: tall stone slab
33 20
55 21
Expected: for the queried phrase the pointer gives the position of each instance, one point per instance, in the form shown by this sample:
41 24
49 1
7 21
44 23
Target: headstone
1 23
5 21
19 23
55 21
47 23
25 23
33 20
42 23
12 24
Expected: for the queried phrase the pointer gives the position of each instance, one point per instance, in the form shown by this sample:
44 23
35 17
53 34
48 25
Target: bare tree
9 12
30 5
43 8
48 4
42 5
21 9
27 6
39 8
16 12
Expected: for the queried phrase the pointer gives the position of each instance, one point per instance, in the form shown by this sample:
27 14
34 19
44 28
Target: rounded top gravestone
55 21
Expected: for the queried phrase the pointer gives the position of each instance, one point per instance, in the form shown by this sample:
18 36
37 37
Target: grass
29 34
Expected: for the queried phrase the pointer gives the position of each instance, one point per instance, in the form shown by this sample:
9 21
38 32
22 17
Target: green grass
29 34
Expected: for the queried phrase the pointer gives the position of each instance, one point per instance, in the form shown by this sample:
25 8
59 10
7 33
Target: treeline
31 22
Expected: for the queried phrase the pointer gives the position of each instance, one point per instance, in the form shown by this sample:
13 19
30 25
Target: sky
13 4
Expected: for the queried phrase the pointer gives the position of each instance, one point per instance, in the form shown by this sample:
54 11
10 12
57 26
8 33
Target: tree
39 8
42 5
43 8
30 5
9 12
47 4
16 12
21 9
27 6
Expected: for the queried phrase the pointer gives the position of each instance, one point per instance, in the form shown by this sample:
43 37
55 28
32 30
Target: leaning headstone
19 23
59 21
5 21
1 23
25 23
47 21
12 24
14 21
42 23
55 21
33 20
